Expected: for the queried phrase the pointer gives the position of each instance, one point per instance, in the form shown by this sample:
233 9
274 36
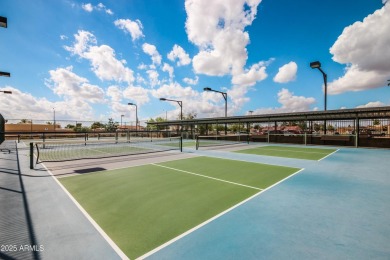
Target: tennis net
74 150
218 140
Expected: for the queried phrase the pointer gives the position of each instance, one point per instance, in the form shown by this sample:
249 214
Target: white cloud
251 76
66 83
169 69
132 27
87 7
152 51
27 106
83 40
102 58
372 104
115 93
286 73
179 53
174 90
100 7
191 81
364 47
106 66
289 103
137 94
153 77
217 28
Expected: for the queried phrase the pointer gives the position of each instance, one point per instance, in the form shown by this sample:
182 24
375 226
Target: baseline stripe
205 176
295 151
329 155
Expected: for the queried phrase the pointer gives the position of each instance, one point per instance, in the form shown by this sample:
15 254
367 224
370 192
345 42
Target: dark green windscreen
2 129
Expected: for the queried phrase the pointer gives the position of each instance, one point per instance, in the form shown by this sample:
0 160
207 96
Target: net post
31 155
181 144
197 142
116 137
305 138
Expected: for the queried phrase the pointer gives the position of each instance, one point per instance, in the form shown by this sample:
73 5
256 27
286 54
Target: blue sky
88 59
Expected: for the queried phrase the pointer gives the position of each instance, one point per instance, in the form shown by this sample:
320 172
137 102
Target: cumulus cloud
179 53
167 68
132 27
153 77
286 73
31 107
152 51
99 7
87 7
364 48
137 94
251 76
67 84
104 63
217 28
289 103
372 104
190 81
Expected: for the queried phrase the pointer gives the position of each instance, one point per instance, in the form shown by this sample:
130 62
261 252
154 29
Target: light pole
181 109
317 65
54 118
180 104
121 119
136 115
224 94
4 24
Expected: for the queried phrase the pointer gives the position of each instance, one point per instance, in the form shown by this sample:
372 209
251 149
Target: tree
24 121
69 126
111 125
154 127
96 125
376 122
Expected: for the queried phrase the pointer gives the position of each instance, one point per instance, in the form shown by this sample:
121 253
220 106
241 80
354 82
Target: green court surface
290 152
142 207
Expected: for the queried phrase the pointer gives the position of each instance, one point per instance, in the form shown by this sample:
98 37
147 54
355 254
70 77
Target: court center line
328 155
205 176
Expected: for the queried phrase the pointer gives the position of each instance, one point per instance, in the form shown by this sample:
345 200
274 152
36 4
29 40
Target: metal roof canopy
340 114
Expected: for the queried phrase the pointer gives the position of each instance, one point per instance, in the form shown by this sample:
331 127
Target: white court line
328 155
212 219
90 219
286 150
205 176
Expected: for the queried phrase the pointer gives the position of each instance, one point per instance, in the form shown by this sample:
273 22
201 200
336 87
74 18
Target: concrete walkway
38 220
